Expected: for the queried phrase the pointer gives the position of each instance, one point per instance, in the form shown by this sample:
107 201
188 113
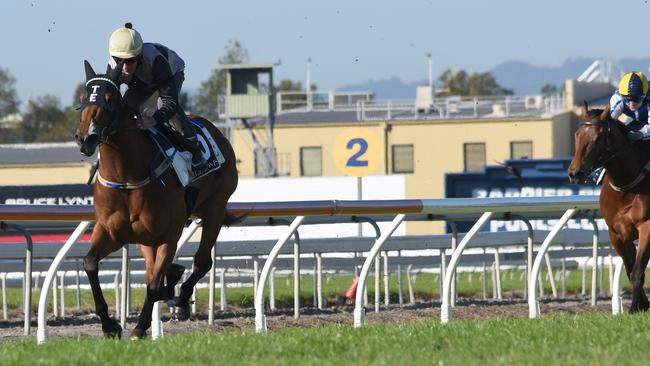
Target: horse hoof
181 313
115 332
138 334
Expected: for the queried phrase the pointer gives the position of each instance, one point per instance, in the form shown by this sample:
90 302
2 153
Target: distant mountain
391 88
523 78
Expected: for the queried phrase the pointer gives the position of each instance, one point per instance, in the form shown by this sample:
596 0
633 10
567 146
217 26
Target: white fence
322 212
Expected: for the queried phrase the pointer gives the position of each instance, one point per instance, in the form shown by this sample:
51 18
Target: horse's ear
90 73
585 111
604 116
115 73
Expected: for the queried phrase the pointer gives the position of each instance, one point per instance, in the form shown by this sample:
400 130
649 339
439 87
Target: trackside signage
520 178
64 194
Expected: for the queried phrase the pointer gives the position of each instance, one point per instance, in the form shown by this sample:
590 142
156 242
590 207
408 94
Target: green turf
594 339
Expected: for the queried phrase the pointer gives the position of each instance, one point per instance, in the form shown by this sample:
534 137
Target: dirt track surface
87 325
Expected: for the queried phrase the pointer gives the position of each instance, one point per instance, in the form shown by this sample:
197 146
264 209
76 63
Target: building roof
42 153
244 66
316 117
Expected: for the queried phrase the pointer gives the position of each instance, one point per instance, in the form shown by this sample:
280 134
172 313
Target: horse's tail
231 219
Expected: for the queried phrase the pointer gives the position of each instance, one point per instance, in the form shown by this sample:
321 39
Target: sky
44 43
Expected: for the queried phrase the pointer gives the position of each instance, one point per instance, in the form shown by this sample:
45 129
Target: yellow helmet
126 42
633 85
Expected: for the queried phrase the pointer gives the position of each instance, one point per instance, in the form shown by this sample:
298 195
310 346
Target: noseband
612 154
96 88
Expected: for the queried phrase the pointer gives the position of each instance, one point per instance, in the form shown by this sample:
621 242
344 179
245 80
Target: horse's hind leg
100 247
637 277
157 267
212 223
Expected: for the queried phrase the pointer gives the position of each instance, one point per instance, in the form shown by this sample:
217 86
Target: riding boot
198 161
184 126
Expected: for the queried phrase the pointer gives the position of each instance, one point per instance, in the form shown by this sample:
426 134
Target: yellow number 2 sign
357 152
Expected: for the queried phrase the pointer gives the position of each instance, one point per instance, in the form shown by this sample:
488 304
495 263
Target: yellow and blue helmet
633 85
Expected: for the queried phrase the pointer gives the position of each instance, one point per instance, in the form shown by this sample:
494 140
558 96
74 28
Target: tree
455 84
8 97
79 91
549 89
476 84
46 121
207 99
485 84
298 100
290 85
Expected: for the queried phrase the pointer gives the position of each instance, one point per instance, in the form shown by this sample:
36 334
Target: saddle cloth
181 159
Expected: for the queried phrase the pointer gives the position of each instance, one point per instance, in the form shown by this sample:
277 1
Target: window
474 156
402 158
311 161
521 150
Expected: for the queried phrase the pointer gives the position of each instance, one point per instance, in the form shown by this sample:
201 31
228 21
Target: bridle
602 160
609 153
96 88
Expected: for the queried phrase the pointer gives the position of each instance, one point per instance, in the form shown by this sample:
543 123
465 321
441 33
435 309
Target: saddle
174 148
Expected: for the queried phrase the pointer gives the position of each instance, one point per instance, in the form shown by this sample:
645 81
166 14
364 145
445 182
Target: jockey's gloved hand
146 120
636 135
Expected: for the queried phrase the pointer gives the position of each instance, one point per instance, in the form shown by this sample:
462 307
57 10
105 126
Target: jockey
631 100
150 68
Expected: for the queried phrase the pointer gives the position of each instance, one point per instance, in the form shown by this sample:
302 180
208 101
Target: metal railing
367 108
335 211
300 101
463 108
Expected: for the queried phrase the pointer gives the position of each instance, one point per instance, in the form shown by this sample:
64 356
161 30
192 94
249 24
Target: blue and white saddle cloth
181 160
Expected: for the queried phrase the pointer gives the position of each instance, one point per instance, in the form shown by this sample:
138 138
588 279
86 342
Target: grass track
564 340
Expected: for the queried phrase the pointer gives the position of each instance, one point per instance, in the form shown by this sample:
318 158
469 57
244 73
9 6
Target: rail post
617 301
533 304
260 318
445 308
41 332
359 313
594 269
27 288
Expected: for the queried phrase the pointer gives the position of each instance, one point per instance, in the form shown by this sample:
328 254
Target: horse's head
597 140
99 109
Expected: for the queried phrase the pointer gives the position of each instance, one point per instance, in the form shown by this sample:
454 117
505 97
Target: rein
642 173
155 174
96 87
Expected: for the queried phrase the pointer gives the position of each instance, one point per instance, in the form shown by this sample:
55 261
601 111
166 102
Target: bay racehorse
601 141
138 206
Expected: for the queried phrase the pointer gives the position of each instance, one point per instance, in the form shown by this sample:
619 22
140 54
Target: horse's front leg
101 246
637 277
157 267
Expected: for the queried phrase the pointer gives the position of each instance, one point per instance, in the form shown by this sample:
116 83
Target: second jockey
631 100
